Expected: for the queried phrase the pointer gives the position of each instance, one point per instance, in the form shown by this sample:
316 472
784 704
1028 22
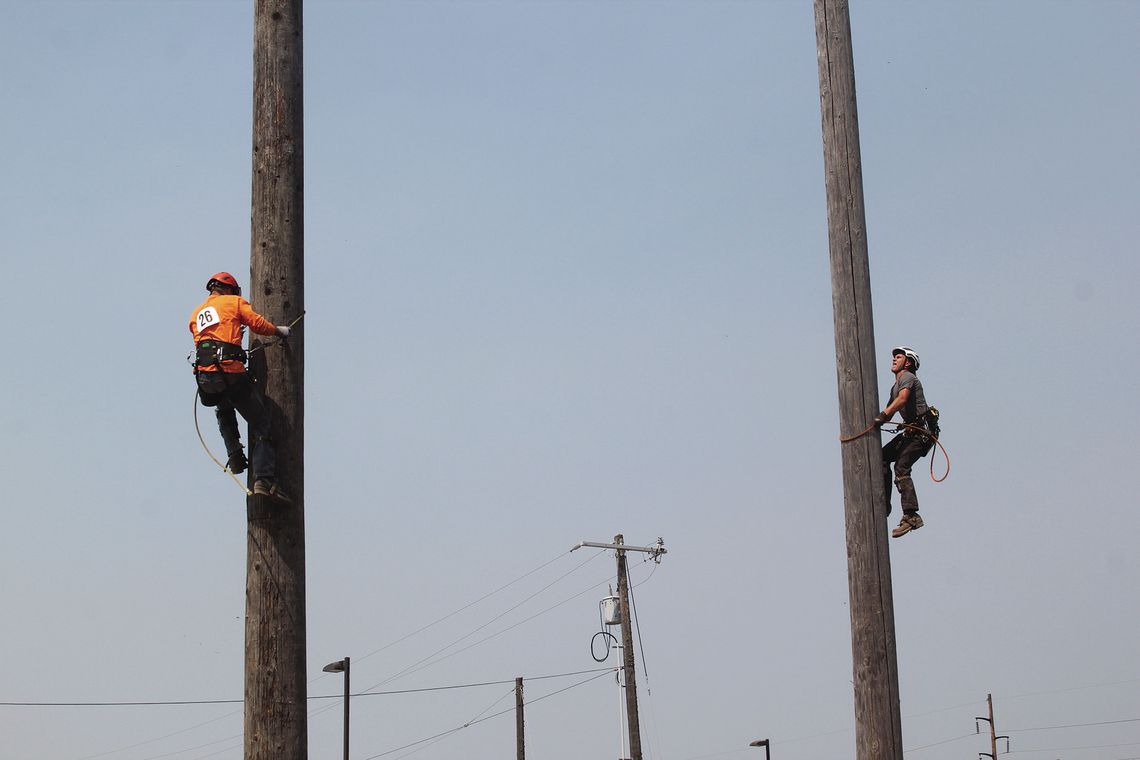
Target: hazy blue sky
566 272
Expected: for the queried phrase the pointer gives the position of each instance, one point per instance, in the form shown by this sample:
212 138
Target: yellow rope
225 468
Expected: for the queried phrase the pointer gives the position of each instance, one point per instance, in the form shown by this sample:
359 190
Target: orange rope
916 428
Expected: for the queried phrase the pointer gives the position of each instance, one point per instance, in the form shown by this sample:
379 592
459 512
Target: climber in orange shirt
218 325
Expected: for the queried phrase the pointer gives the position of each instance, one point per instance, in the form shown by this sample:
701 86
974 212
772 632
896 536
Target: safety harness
211 353
925 425
214 352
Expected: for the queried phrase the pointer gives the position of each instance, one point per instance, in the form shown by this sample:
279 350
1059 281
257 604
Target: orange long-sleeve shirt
222 318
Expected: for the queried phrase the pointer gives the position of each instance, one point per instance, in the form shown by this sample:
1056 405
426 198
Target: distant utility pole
520 737
992 754
627 631
275 691
878 726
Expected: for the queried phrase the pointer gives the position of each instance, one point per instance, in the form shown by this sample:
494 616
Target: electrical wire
439 737
936 744
1066 749
489 717
1071 688
318 710
493 635
429 661
655 734
550 676
411 668
447 687
606 636
651 572
200 746
160 738
640 643
466 606
1074 725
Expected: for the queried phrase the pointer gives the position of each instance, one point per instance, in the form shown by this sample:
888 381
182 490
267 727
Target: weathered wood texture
275 691
878 730
627 654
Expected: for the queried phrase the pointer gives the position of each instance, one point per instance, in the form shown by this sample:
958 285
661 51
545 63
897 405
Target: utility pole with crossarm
621 548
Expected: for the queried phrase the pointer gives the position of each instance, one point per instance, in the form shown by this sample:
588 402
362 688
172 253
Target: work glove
881 419
283 331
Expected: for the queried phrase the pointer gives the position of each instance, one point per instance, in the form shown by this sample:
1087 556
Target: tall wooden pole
627 654
993 730
275 692
520 734
878 726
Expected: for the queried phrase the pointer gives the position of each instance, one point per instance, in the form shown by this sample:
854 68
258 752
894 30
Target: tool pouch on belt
211 386
930 419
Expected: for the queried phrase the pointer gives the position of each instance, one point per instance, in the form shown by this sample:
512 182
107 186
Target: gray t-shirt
915 406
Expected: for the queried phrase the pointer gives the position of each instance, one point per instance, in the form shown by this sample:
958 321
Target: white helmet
908 352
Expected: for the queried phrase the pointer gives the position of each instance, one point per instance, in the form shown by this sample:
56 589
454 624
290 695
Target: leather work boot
237 462
908 523
270 490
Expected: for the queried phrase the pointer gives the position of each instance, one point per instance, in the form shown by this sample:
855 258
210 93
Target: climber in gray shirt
904 450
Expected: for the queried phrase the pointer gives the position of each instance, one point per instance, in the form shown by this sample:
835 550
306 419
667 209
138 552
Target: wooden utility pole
993 731
520 736
655 552
627 653
878 726
275 692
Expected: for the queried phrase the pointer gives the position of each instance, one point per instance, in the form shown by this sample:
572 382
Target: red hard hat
224 278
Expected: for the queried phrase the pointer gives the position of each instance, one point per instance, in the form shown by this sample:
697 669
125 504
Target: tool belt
211 353
929 421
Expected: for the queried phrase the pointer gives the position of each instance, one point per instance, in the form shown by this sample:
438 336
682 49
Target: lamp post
341 666
762 743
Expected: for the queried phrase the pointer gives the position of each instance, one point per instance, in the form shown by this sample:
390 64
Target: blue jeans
239 396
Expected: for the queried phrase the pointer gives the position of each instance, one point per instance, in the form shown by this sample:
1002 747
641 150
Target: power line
465 607
1071 688
155 703
160 738
1075 725
411 668
944 741
975 702
200 746
489 717
330 705
428 661
1063 749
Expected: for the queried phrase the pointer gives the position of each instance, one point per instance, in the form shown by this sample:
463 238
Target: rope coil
899 427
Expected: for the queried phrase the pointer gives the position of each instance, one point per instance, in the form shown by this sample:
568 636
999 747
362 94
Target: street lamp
762 743
341 666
